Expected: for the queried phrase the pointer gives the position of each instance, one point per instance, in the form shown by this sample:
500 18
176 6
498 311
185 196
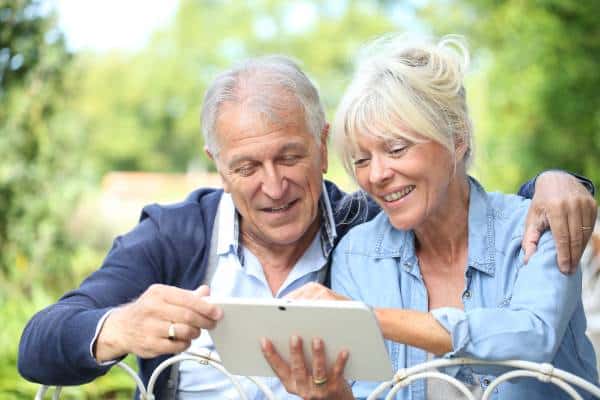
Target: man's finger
184 315
319 367
298 365
535 224
277 364
576 234
189 299
340 363
559 225
589 212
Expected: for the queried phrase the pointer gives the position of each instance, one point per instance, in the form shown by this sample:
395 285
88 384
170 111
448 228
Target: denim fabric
511 310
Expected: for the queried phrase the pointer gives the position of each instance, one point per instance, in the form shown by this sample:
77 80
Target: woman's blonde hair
407 87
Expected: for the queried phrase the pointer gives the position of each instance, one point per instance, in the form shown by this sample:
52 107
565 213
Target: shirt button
467 294
485 382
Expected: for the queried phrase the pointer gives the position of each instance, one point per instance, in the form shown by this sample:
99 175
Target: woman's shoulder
373 237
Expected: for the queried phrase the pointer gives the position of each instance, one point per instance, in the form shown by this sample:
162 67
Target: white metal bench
428 370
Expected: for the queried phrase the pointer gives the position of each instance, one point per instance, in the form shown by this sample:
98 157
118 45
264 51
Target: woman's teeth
400 194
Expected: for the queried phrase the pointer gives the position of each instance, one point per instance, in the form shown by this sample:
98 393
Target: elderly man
270 231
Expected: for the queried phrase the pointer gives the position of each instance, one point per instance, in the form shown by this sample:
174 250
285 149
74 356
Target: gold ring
586 228
320 381
171 331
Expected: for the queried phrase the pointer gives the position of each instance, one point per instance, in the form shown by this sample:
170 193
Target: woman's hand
323 383
315 291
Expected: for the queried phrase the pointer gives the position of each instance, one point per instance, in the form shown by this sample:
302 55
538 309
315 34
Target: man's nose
274 183
379 170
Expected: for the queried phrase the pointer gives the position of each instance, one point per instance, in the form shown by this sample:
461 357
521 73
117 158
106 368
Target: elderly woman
442 265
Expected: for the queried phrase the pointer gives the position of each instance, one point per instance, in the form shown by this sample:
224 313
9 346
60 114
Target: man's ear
324 151
209 154
214 159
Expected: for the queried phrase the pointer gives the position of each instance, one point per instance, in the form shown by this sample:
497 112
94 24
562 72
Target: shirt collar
481 230
229 239
395 243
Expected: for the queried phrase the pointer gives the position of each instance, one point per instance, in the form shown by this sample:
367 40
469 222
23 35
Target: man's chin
285 237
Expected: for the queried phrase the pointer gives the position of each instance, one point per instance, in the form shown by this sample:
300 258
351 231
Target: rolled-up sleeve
531 326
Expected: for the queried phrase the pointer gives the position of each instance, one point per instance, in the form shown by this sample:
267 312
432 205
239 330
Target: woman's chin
403 224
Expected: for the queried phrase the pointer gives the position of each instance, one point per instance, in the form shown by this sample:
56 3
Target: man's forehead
238 120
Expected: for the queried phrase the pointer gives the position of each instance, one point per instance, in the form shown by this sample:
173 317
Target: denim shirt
511 310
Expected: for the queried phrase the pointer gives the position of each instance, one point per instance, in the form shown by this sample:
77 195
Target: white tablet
342 325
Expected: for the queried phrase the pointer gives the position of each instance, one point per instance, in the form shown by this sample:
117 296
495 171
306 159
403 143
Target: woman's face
408 180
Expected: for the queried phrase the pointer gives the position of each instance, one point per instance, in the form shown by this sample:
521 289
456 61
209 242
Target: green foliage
67 118
40 175
141 111
540 107
38 144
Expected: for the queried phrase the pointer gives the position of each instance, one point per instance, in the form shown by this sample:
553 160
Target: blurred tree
540 104
38 143
142 110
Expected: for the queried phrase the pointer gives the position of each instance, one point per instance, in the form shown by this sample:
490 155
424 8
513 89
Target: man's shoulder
350 209
372 237
189 217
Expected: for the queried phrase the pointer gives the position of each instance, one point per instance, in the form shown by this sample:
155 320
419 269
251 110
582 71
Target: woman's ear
461 146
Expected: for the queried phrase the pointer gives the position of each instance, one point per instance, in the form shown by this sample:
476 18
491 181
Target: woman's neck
444 236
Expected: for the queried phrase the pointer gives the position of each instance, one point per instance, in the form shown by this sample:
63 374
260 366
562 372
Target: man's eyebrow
292 146
237 160
242 158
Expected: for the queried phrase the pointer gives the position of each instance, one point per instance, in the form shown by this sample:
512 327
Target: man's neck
278 260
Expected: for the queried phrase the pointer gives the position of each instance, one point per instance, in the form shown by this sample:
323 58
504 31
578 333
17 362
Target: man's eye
244 171
290 159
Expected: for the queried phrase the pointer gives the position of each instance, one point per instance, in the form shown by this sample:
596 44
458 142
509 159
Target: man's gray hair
266 83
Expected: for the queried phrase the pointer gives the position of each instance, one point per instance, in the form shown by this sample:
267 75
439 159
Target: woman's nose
379 170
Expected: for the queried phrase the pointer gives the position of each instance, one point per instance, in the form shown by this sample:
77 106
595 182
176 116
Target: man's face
273 171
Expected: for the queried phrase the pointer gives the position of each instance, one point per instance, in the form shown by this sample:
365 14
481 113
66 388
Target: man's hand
561 203
320 382
143 326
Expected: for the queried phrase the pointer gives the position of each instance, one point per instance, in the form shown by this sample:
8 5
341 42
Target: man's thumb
202 291
530 241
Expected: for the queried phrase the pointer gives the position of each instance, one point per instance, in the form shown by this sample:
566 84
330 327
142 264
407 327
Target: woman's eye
398 151
360 162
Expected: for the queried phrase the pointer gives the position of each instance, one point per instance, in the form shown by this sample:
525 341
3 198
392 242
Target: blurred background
100 100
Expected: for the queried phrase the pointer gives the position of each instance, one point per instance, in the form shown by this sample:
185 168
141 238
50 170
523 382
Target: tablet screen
342 325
